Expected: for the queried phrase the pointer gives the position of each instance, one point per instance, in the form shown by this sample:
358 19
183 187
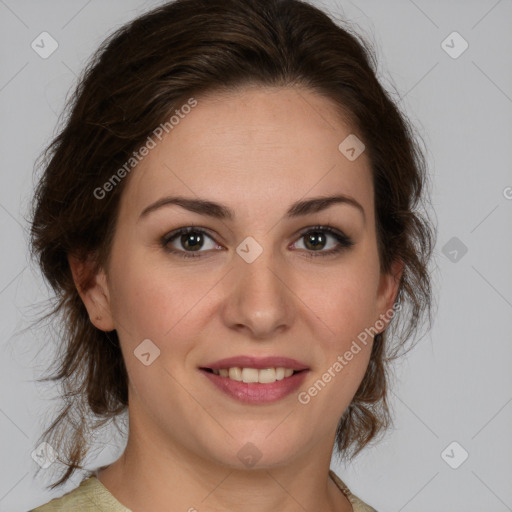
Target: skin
256 150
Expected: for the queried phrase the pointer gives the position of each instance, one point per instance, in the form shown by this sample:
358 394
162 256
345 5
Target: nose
258 297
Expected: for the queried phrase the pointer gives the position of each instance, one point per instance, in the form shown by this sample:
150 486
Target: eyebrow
223 212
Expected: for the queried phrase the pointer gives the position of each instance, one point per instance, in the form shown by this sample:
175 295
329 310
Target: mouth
254 381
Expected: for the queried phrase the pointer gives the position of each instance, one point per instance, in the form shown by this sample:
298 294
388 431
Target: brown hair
183 49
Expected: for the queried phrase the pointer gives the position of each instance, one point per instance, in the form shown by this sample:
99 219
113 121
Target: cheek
345 348
157 302
150 306
344 302
145 303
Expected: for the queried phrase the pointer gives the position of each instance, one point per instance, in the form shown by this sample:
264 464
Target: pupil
191 240
316 238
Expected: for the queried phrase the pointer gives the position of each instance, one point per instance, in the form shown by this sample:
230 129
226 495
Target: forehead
253 148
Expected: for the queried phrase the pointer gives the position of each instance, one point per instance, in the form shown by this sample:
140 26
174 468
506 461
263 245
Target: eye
316 239
191 239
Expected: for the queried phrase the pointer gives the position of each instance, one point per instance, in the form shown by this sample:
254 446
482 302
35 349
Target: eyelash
344 241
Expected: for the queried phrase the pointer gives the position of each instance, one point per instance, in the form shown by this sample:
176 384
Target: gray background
456 385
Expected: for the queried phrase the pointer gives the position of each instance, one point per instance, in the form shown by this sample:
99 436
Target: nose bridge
260 299
260 274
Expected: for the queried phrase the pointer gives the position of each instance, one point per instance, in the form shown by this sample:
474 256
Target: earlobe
91 284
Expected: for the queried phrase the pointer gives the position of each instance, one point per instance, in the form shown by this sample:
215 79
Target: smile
256 386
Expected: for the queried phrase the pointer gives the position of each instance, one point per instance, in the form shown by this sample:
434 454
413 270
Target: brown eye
192 240
317 238
188 240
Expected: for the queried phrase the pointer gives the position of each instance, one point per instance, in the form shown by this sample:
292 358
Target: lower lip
255 392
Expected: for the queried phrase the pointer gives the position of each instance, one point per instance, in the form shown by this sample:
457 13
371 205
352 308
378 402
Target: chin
254 453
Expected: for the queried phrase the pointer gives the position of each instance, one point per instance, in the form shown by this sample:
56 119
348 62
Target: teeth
235 373
249 375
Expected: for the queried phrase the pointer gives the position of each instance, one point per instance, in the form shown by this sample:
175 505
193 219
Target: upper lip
257 362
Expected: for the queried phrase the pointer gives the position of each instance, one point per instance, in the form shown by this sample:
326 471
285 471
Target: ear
388 289
91 284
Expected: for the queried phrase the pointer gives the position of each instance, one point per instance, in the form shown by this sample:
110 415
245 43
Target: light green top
92 496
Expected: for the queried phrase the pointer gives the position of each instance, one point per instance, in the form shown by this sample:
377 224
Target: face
268 280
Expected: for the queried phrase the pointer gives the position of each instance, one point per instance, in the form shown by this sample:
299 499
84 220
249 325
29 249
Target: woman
230 222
